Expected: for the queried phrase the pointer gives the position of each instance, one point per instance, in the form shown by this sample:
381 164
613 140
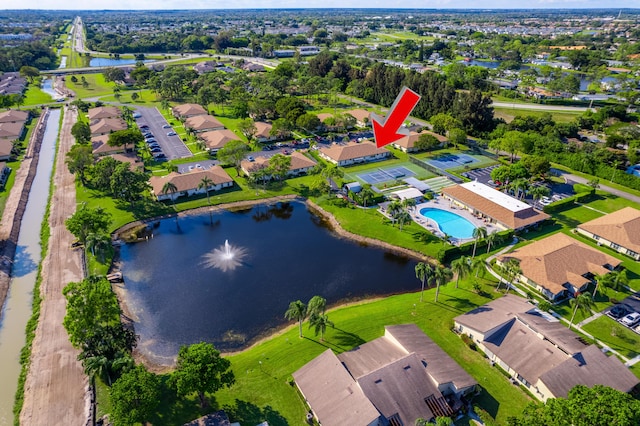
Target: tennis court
385 175
449 161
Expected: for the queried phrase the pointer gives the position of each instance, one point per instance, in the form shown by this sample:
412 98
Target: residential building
619 230
353 153
11 83
205 67
203 123
362 116
104 126
497 207
185 111
308 50
408 143
187 184
14 116
537 351
11 131
263 132
100 146
216 139
300 164
285 53
6 146
560 266
5 171
392 380
99 113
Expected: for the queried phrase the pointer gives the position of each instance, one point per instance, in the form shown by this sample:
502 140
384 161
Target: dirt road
56 389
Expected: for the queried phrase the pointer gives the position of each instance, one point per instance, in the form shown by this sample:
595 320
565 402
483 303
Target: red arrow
388 130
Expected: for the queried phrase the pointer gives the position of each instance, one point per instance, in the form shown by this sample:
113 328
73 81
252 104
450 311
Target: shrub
469 342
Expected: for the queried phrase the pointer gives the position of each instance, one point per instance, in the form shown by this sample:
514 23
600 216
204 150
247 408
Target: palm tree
97 366
583 302
478 233
600 280
393 209
461 267
409 203
490 238
617 280
478 265
320 323
423 273
297 311
170 188
206 183
538 192
513 270
441 276
366 194
316 306
98 244
403 217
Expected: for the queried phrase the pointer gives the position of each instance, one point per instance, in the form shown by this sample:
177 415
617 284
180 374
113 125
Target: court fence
433 169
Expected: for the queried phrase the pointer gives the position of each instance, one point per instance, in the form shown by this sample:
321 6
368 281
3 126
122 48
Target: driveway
204 165
172 146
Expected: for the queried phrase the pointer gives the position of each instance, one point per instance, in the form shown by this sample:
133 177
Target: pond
176 296
108 62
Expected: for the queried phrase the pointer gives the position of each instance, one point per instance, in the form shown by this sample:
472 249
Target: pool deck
442 204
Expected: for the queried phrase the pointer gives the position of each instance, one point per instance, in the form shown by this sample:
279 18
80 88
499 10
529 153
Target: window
596 237
615 246
631 253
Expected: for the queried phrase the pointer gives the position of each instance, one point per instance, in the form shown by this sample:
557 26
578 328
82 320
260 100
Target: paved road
570 178
540 107
172 146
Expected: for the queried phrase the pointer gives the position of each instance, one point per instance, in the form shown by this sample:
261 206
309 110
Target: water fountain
226 258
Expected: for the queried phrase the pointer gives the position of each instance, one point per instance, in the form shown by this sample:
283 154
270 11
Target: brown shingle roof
558 260
621 227
333 394
191 180
188 110
100 146
203 122
298 161
11 130
352 150
216 139
359 114
489 316
324 115
589 367
104 112
514 220
107 125
410 140
5 147
262 129
13 116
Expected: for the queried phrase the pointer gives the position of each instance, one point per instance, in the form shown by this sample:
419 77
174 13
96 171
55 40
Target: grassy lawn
508 114
35 96
615 335
263 373
145 97
97 86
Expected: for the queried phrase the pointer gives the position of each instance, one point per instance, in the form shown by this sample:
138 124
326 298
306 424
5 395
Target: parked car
154 145
156 149
166 126
172 134
250 158
618 311
631 319
136 115
144 126
160 156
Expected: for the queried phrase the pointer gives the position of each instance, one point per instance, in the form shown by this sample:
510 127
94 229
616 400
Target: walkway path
539 107
56 388
571 178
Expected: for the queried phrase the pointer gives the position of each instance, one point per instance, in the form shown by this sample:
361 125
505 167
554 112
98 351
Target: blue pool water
450 223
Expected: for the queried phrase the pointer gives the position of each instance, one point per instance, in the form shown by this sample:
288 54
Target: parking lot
205 165
481 175
629 305
172 146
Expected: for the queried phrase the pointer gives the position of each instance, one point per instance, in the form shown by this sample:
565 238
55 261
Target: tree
423 273
29 72
443 123
478 266
584 406
538 192
91 304
366 194
279 166
616 280
426 141
206 183
134 96
201 369
79 160
233 153
441 276
594 183
461 267
81 132
170 188
308 122
134 397
478 233
457 137
113 74
402 217
128 185
297 311
320 324
512 269
247 127
316 306
98 244
583 302
125 137
86 221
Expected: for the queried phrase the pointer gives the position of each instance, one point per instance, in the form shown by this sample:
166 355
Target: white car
630 320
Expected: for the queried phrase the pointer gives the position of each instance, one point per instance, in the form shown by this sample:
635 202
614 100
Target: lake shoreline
128 318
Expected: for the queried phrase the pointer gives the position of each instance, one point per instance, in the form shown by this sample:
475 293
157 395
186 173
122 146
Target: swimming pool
450 223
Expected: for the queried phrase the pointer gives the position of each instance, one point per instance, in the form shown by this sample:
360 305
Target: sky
272 4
